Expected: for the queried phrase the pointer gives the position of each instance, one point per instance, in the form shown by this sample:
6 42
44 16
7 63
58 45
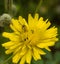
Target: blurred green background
48 9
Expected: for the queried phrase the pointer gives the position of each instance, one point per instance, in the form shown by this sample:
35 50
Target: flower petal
36 17
47 48
16 24
14 29
36 54
16 58
11 36
28 56
43 45
22 60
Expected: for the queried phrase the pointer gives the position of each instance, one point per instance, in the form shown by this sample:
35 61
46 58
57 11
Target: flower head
5 19
29 38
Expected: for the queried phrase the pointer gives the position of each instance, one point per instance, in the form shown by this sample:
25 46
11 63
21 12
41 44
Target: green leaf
57 45
50 62
57 56
37 62
48 55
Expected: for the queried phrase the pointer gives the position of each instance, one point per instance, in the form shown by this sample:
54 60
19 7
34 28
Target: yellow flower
29 38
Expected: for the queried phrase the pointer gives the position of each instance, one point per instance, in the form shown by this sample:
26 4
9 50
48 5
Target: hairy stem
8 5
38 6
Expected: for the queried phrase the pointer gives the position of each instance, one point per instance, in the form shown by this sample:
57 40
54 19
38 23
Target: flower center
26 39
32 31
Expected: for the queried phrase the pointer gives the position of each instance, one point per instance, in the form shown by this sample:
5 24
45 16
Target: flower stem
40 3
7 60
8 5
